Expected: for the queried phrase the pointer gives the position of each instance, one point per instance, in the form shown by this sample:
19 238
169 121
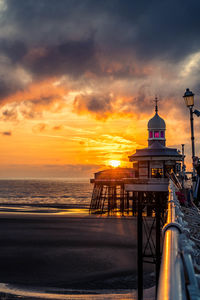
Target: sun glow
114 163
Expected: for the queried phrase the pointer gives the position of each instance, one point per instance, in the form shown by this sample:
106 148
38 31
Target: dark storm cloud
96 104
8 85
15 50
148 29
70 57
108 39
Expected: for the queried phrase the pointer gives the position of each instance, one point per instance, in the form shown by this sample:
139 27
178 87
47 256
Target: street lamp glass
189 98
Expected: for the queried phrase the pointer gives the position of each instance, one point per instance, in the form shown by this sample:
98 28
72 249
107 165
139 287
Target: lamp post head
189 98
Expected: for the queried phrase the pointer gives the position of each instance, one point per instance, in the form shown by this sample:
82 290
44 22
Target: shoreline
32 210
54 211
15 293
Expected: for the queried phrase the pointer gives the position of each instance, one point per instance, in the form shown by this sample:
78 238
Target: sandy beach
68 252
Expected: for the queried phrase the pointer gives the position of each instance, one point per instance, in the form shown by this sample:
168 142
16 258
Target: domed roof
156 122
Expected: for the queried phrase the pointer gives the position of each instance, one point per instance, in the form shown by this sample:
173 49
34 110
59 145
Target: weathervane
156 104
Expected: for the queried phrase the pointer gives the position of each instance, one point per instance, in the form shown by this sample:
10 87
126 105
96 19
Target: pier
153 191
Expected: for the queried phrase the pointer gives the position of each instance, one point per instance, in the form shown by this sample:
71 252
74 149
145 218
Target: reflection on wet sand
70 251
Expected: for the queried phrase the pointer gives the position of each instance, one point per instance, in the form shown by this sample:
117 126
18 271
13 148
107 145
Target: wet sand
76 252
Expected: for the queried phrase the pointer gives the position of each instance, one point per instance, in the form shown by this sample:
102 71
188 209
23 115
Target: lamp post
183 165
189 101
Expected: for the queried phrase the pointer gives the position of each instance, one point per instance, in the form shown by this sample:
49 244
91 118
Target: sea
45 195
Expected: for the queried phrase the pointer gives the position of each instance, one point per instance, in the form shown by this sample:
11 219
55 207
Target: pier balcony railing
177 280
131 180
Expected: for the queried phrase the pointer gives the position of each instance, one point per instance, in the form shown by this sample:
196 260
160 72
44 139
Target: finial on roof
156 106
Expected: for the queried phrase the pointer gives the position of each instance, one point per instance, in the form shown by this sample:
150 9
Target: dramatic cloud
95 67
33 101
98 105
70 57
99 39
9 114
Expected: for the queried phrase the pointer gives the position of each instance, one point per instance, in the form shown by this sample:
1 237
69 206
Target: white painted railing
177 278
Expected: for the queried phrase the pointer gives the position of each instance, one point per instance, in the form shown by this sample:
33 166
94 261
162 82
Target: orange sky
78 80
37 137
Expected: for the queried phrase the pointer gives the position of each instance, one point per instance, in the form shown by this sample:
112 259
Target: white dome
156 123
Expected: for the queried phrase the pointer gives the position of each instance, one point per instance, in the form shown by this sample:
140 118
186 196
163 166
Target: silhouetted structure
114 189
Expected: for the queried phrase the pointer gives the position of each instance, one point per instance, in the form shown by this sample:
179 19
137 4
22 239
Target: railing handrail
171 286
176 264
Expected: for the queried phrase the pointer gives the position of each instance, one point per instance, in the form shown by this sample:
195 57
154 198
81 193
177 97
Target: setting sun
114 163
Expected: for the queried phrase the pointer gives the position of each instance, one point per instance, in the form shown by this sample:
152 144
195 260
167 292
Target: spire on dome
156 104
156 127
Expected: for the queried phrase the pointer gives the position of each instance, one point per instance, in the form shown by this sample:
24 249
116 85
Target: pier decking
115 190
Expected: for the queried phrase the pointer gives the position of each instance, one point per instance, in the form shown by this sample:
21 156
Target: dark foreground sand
69 252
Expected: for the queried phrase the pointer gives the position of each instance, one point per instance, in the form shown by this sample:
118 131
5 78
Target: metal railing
177 279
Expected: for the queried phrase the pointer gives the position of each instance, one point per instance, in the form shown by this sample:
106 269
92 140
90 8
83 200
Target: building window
156 173
162 134
156 134
151 134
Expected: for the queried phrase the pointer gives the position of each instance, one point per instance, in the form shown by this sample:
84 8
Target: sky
78 79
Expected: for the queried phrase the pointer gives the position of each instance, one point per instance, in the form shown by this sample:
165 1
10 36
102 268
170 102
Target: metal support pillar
122 198
127 201
148 240
158 235
134 207
183 165
192 140
192 131
140 246
115 195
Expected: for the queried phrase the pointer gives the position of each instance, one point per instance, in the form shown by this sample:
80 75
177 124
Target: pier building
115 189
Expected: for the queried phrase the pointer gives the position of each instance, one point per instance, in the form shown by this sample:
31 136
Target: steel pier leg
140 247
158 223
